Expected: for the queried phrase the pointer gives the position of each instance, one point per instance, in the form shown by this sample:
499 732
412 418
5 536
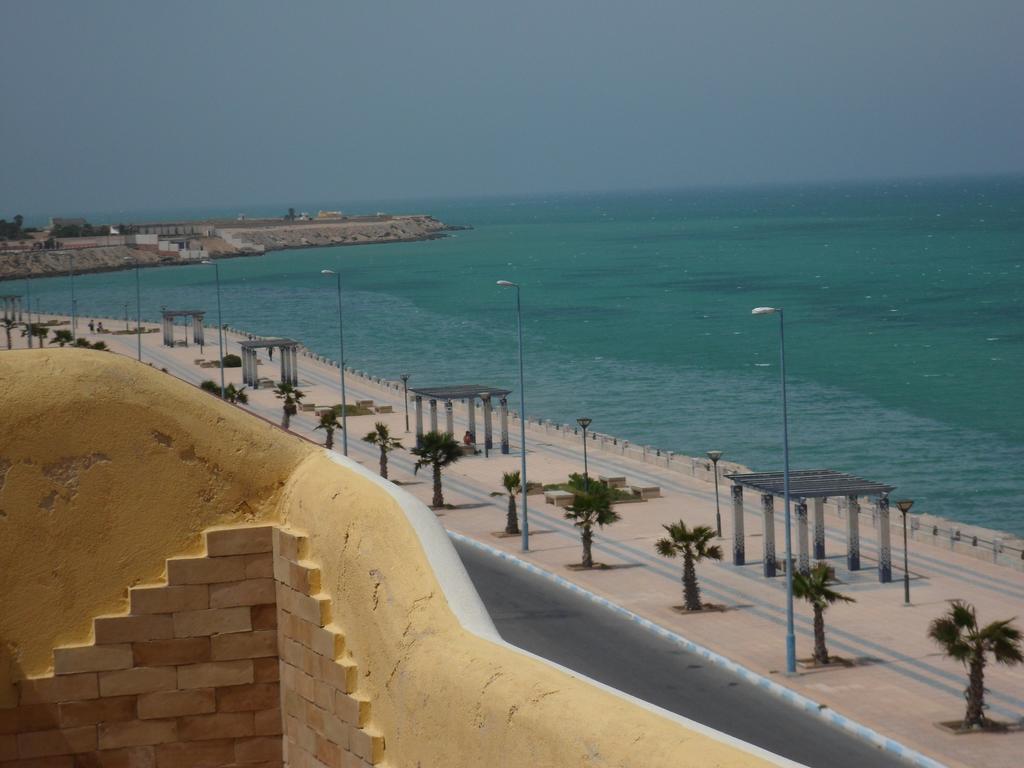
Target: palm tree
328 423
437 450
235 394
962 639
385 442
511 481
814 587
291 397
8 323
692 544
61 338
588 510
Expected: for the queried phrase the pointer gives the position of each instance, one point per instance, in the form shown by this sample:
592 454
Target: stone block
8 747
267 722
263 616
303 576
64 741
130 757
219 725
351 709
137 733
237 593
258 749
45 690
126 682
30 717
213 752
342 674
327 751
215 673
132 629
197 701
91 658
191 650
94 711
327 642
205 570
244 645
266 670
213 621
289 545
189 597
240 541
367 745
248 698
315 609
259 566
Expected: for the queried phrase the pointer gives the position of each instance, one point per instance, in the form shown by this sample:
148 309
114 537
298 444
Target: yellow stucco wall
111 467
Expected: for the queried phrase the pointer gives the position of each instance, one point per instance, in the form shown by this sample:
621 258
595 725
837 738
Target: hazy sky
140 104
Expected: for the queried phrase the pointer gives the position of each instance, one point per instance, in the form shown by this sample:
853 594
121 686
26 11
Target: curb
809 706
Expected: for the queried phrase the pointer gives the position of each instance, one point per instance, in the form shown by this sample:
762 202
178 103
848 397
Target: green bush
210 386
101 345
232 361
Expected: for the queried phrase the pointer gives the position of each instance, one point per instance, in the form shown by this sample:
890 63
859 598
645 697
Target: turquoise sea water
904 306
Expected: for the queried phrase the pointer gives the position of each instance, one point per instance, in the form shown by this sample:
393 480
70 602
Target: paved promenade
900 685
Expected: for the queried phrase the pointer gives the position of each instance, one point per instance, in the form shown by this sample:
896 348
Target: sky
167 105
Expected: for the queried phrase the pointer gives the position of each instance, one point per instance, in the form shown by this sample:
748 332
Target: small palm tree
962 639
328 423
8 323
692 544
815 588
61 338
290 405
235 394
385 442
512 482
437 450
588 510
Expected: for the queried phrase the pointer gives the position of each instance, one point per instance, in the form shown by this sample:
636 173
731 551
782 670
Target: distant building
58 222
329 215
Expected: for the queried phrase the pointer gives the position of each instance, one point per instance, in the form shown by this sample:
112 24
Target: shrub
100 345
210 386
232 361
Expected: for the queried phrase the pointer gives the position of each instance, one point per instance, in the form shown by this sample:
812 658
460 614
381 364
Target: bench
613 481
646 491
368 404
558 498
385 409
307 407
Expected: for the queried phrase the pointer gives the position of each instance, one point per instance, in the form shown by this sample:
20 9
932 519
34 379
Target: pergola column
197 330
738 545
768 511
819 528
449 418
419 420
168 331
852 533
884 543
248 367
503 403
295 365
471 417
488 425
433 415
803 556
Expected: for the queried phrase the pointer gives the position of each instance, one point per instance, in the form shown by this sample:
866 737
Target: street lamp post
220 327
790 635
522 413
28 294
138 309
341 366
405 390
715 456
126 315
904 507
584 422
74 309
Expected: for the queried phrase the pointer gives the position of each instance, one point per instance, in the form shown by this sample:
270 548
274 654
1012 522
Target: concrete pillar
884 543
503 404
433 415
449 418
852 533
197 330
168 332
768 511
247 366
803 562
738 544
489 425
419 420
471 416
819 528
295 365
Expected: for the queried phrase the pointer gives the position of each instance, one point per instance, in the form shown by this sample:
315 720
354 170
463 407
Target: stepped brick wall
199 672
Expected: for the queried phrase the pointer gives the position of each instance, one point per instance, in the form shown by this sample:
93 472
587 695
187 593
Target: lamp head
508 284
764 310
404 377
714 456
904 505
328 272
584 422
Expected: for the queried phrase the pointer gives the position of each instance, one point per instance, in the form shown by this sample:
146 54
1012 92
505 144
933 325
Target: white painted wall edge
471 613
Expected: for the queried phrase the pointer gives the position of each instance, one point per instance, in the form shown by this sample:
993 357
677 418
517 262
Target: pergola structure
12 306
817 485
289 360
193 315
470 393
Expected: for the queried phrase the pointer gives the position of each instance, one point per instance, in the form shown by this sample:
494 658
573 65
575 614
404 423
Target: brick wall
197 672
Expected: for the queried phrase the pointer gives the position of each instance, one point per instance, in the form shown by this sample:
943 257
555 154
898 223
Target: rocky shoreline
228 241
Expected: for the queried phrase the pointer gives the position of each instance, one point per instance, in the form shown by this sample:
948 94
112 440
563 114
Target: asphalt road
550 621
